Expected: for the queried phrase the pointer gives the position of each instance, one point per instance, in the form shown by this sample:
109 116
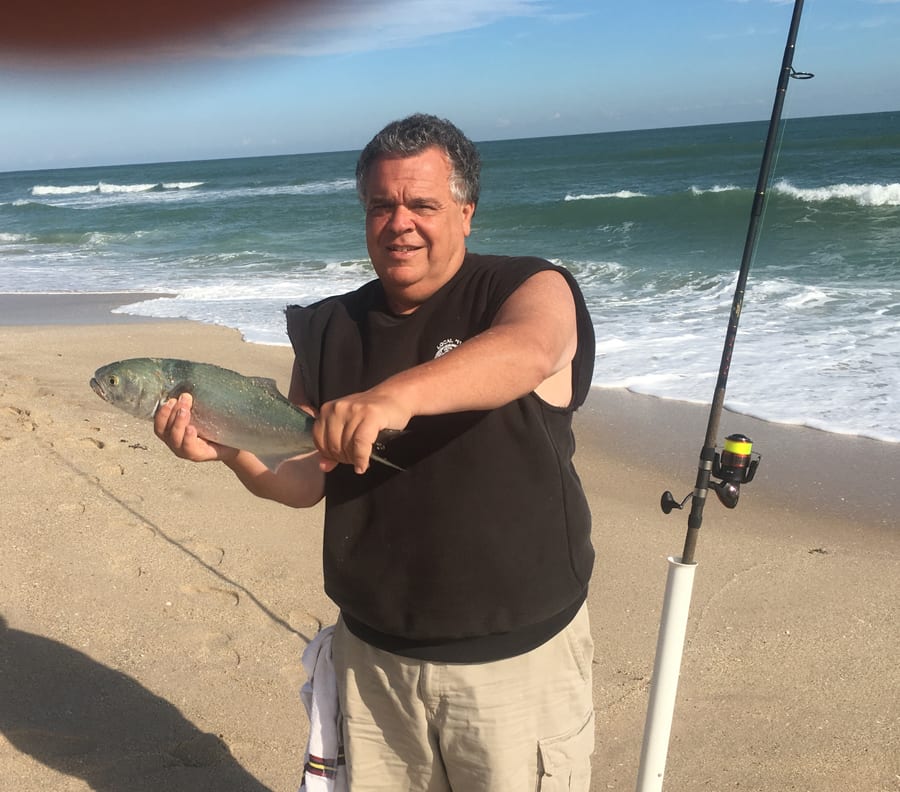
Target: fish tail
384 461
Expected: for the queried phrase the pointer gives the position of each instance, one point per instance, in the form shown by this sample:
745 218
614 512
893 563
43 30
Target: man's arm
297 482
529 347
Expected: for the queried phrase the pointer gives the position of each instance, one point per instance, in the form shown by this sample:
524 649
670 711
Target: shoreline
19 309
795 467
23 309
838 476
154 612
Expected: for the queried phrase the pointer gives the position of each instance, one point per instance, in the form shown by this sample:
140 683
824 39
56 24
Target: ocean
652 223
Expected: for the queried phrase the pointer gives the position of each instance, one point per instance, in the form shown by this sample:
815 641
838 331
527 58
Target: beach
154 612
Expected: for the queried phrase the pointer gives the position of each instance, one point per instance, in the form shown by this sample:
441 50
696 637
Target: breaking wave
861 194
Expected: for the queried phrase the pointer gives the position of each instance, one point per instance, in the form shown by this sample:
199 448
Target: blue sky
499 69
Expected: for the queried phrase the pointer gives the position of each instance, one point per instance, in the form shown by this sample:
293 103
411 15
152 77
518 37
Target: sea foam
598 196
861 194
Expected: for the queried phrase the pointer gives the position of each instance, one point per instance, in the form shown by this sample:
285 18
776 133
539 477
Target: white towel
323 763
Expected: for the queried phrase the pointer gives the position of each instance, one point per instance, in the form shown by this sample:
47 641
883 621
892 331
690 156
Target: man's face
415 230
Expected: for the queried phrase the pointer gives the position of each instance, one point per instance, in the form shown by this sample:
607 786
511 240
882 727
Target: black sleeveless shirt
480 548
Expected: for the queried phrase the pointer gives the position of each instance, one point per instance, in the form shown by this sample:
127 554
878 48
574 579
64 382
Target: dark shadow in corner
89 721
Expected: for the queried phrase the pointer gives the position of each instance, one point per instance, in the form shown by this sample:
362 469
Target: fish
228 408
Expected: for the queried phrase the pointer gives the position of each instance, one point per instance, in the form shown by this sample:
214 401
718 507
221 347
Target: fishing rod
723 471
737 463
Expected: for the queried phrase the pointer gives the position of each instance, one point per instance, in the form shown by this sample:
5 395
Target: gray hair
413 135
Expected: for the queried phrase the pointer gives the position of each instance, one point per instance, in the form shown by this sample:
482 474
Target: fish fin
273 461
384 461
267 383
379 447
380 459
182 387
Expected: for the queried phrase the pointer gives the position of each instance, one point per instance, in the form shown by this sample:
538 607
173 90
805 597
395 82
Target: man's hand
172 424
348 427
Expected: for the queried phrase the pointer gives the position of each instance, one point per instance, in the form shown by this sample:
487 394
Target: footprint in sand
207 645
215 648
20 416
71 508
228 594
304 621
211 555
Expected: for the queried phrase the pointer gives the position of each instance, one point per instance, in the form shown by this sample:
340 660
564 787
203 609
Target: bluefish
228 408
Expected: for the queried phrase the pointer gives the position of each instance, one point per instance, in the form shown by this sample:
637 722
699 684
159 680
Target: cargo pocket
566 759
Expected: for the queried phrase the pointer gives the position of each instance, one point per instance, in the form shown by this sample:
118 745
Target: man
463 651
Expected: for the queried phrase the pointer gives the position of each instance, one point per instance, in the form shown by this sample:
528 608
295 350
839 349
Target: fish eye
112 380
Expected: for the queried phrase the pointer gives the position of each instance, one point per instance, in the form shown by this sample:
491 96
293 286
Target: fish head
136 386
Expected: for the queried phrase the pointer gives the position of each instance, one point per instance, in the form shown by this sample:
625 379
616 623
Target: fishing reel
735 465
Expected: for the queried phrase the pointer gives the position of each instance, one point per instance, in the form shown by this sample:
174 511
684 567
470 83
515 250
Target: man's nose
401 219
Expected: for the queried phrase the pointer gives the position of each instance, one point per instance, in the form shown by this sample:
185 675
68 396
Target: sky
327 76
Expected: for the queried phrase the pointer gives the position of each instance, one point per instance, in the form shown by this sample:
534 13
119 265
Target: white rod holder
666 669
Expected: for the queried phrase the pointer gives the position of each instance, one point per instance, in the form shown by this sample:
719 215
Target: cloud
275 28
361 26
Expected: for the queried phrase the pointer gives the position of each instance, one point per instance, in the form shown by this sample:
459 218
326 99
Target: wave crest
598 196
716 188
861 194
108 189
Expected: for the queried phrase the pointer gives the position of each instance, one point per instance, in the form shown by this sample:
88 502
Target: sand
154 612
